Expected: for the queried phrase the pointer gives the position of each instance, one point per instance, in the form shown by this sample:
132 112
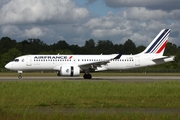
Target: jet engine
69 71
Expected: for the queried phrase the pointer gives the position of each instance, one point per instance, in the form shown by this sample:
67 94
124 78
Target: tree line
11 49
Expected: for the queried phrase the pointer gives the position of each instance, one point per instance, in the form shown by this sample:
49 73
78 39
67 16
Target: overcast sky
79 20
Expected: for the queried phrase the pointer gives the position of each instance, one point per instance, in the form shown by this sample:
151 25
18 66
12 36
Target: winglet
118 56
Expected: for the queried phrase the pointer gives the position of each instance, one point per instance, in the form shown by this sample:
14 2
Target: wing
95 64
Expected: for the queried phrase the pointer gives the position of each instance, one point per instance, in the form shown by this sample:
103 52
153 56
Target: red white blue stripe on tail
158 45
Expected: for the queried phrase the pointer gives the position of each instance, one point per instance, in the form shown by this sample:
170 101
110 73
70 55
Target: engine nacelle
69 71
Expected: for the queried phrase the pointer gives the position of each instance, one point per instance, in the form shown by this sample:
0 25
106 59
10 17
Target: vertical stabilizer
157 46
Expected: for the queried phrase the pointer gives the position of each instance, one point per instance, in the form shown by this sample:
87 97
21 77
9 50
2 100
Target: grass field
88 100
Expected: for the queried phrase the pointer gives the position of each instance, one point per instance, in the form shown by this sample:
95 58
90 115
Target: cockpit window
16 60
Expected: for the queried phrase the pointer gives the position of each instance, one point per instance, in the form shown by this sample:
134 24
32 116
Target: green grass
46 99
54 115
87 94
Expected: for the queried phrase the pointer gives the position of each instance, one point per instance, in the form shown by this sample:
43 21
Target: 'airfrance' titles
50 57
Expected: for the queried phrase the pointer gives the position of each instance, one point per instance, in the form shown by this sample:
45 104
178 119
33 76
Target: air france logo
50 57
70 57
56 57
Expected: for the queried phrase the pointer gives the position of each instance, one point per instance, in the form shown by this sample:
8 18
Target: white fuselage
50 62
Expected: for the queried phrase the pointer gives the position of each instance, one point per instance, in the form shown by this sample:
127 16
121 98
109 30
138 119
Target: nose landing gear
20 74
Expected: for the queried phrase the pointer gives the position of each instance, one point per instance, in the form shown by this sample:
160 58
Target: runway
99 78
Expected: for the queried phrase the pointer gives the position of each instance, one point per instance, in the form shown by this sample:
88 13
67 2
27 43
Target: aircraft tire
87 76
20 76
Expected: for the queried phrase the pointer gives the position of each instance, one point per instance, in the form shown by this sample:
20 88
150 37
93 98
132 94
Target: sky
77 21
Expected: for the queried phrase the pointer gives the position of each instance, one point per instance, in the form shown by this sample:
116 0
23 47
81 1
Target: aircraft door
137 61
28 61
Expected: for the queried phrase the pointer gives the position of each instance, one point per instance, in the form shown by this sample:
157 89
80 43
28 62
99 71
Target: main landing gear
87 76
20 74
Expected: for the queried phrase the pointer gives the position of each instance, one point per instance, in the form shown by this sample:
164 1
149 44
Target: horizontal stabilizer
163 57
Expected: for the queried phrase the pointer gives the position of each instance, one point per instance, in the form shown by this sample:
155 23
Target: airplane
72 65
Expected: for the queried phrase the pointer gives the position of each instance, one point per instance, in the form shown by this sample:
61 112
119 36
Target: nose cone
8 66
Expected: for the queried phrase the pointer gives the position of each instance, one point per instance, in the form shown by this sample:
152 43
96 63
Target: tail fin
157 46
